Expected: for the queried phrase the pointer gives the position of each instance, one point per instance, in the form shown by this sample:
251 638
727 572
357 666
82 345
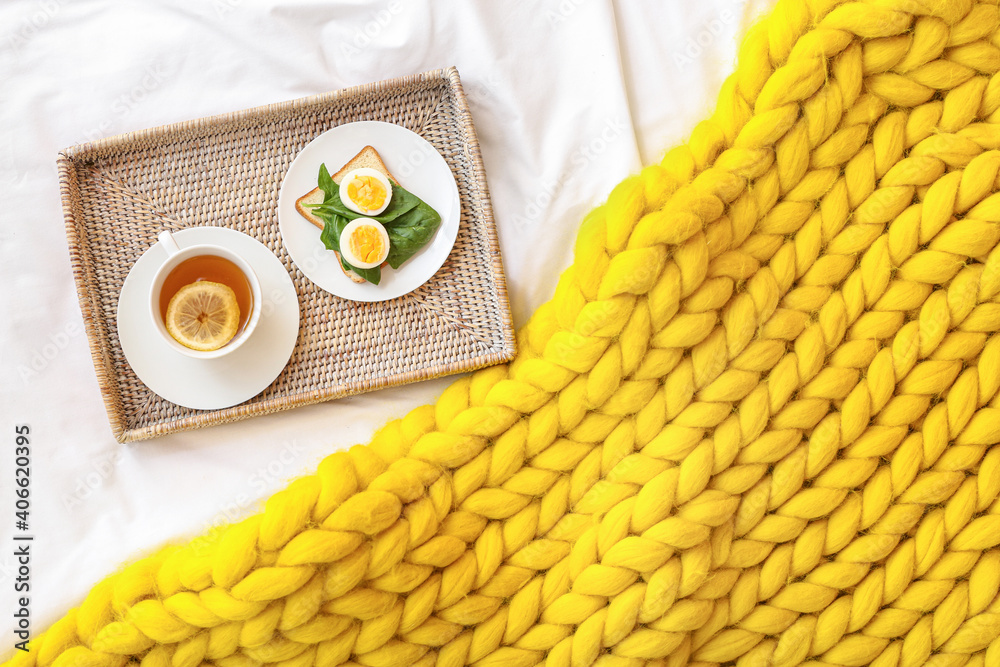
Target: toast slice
366 157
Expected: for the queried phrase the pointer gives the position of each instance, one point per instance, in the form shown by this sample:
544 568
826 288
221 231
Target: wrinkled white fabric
568 97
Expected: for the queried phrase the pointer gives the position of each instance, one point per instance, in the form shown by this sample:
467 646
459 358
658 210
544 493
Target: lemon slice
203 315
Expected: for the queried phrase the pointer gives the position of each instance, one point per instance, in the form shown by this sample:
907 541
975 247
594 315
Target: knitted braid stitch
758 423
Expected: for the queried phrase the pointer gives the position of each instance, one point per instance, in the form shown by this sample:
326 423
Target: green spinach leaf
409 221
400 203
333 227
411 232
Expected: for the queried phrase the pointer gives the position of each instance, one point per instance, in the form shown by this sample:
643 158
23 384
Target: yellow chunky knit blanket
757 424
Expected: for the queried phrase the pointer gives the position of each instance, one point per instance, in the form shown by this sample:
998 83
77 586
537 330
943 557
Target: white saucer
210 384
419 168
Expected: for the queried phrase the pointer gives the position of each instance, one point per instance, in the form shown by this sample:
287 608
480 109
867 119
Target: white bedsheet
568 97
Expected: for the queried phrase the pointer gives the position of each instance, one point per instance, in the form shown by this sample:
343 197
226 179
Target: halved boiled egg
365 190
364 243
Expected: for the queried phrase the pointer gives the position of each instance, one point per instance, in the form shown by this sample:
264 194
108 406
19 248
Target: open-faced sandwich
368 219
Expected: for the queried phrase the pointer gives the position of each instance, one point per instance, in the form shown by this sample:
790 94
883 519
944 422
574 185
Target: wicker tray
119 192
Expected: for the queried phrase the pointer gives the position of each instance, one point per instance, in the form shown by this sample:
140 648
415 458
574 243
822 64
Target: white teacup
174 256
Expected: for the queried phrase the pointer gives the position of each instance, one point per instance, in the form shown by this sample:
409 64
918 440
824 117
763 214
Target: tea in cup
204 299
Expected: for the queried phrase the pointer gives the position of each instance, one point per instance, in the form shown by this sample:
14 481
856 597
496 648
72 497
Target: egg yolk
366 244
367 192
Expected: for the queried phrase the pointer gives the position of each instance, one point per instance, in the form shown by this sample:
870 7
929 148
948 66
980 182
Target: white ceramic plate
416 165
210 384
